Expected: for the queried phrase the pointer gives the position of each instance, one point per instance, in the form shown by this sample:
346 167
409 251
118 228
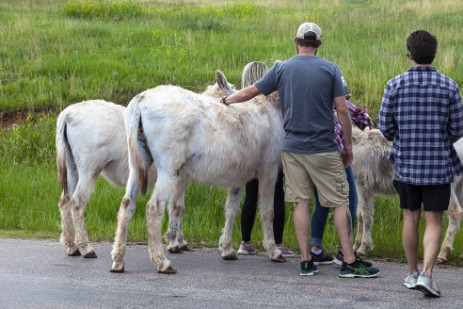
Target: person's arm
455 123
359 116
386 121
343 115
242 95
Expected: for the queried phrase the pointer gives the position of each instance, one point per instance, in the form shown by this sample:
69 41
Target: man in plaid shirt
422 113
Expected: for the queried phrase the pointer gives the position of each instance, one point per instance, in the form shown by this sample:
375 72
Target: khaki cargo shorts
325 171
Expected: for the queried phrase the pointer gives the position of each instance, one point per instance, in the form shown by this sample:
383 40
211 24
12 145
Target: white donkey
91 140
192 137
455 212
374 174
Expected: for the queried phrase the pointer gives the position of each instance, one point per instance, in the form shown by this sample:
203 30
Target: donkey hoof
116 268
441 261
174 249
362 250
279 259
185 248
169 270
90 255
230 257
117 271
75 252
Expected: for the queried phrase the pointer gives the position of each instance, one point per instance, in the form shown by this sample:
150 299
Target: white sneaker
410 281
427 285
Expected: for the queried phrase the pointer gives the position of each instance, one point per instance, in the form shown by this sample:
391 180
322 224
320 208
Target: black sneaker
308 268
357 270
321 259
340 259
366 263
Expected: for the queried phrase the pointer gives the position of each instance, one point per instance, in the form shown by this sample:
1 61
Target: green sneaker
357 270
308 268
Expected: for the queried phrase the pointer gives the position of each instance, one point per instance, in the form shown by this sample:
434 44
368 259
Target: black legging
248 213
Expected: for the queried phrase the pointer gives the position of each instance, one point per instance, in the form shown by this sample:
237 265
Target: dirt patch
7 119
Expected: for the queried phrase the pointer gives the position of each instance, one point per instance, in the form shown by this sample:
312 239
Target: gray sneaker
410 281
427 285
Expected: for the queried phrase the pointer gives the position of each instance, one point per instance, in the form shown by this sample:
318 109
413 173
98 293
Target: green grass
55 53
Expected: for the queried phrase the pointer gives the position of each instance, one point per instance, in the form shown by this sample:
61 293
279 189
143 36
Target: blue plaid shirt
422 113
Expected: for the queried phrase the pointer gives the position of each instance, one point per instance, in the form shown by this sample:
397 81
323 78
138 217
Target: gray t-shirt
307 86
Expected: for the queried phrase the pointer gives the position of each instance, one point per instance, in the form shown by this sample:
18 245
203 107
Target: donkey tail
63 151
139 153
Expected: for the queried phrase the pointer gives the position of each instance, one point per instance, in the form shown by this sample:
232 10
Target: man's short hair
423 46
309 42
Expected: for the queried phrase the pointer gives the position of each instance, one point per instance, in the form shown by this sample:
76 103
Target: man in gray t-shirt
308 85
300 81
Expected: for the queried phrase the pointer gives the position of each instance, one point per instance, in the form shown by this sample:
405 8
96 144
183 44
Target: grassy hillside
55 53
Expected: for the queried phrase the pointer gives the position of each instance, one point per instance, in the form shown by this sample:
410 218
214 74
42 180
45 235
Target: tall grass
58 52
55 53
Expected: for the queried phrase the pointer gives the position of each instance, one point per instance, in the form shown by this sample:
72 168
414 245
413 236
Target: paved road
39 274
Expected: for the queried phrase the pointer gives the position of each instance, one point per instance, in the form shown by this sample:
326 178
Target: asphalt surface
39 274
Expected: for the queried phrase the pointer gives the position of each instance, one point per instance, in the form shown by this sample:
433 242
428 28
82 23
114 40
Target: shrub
103 9
32 142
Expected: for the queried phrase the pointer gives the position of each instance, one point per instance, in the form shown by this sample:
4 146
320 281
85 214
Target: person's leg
431 239
410 238
410 201
436 200
353 199
280 216
301 226
248 215
353 196
319 217
279 210
298 186
343 223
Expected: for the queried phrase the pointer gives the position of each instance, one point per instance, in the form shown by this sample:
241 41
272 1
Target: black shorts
433 198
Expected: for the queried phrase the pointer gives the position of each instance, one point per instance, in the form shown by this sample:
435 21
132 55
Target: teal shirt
307 86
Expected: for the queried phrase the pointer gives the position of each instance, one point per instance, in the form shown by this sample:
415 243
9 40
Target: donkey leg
126 211
359 233
266 210
78 202
360 221
452 229
174 235
67 229
65 207
154 213
180 238
368 217
231 211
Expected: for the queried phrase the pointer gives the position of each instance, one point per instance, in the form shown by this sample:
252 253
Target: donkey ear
223 83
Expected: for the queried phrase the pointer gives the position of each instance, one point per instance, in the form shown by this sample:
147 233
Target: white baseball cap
309 27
